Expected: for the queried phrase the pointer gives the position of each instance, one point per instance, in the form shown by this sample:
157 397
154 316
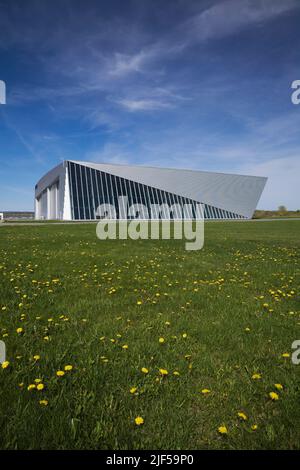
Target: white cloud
230 16
110 153
143 104
149 98
123 64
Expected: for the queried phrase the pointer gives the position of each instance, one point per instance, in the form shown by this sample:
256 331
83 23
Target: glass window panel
95 190
123 192
86 192
150 199
129 192
145 200
178 201
105 187
115 194
79 189
91 193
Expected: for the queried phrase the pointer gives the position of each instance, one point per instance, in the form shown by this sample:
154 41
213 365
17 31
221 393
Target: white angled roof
235 193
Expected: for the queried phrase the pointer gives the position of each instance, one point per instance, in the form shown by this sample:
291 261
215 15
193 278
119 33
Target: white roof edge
81 162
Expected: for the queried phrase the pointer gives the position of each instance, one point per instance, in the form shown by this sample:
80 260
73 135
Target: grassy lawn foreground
212 329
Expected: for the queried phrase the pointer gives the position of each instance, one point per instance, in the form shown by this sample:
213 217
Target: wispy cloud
111 153
231 16
123 64
151 98
142 105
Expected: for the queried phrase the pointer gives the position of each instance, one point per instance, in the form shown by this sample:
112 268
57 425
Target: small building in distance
16 215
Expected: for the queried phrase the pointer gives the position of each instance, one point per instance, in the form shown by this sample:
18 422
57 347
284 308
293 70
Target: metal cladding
73 190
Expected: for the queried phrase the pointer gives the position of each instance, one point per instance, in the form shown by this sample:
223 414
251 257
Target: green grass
91 289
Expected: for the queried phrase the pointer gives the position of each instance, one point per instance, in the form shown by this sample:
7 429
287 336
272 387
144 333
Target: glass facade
90 188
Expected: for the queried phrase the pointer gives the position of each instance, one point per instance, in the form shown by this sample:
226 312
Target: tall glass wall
90 188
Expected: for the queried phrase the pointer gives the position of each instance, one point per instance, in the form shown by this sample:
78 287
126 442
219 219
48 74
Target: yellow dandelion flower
36 357
139 420
144 370
278 386
163 371
205 391
40 387
43 402
68 368
223 430
242 415
254 427
60 373
184 335
37 381
274 396
256 376
139 302
161 340
21 385
31 387
176 372
285 355
133 389
5 364
19 330
125 346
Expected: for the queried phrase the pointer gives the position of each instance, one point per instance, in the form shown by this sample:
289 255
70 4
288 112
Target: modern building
74 190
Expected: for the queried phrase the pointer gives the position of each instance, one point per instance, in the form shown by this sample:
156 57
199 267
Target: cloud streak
231 16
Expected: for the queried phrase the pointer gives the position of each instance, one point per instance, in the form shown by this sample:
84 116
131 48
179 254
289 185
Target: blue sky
182 83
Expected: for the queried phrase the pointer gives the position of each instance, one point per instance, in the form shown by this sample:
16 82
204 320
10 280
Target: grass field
227 316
